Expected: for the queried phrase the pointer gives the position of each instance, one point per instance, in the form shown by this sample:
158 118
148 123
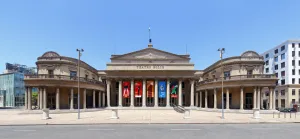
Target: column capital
192 81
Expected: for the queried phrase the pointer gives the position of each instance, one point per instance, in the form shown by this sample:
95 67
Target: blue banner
162 89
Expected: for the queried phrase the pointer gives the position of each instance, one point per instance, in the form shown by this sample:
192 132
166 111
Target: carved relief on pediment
86 72
150 56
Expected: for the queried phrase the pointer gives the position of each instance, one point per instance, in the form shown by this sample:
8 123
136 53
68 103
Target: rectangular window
73 73
276 67
226 73
283 56
282 92
282 73
299 82
293 80
293 62
293 71
293 45
86 76
293 53
283 82
298 53
267 62
267 70
282 48
293 101
276 51
267 56
276 59
299 73
51 73
293 92
276 74
283 65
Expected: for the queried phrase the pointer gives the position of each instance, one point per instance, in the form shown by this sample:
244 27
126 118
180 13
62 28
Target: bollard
279 115
295 115
45 114
187 114
290 114
284 114
273 114
114 114
256 113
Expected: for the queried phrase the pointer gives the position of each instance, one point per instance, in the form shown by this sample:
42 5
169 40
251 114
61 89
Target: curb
49 124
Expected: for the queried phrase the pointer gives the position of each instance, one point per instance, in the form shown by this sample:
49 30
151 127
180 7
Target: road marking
100 129
24 130
185 129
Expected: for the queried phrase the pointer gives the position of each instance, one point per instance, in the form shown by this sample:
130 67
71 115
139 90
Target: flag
162 89
126 89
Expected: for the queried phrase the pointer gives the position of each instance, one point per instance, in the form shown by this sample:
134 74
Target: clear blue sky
103 27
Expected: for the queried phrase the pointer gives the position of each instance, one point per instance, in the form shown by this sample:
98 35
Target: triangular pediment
150 54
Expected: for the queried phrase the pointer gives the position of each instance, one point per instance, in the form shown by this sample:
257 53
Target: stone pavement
22 117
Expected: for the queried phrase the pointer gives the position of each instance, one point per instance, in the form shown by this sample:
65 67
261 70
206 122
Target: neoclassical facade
149 78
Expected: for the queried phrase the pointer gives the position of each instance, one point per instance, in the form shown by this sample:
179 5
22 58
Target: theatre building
149 78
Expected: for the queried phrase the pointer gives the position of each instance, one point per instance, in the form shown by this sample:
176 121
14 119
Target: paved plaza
150 131
22 117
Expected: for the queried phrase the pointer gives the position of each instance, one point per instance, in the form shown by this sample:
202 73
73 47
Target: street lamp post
222 50
78 78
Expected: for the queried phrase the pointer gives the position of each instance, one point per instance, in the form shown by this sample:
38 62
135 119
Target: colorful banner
162 89
126 89
174 89
150 88
138 89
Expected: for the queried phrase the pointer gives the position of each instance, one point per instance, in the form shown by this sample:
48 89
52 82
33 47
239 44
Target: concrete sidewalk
17 117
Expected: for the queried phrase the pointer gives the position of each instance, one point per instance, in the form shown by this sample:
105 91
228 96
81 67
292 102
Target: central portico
150 78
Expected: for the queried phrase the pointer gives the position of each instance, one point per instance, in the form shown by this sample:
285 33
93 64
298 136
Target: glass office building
12 89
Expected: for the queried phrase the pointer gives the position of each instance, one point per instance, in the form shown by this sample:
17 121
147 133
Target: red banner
138 89
126 89
150 88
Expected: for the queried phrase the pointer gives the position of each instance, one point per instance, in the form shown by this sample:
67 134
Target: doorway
249 101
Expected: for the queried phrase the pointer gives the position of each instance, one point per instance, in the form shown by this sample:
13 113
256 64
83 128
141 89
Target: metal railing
240 77
61 77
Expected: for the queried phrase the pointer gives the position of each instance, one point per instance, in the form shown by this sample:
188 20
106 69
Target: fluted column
270 98
57 99
242 99
41 98
274 98
103 100
108 93
26 98
180 93
84 99
94 99
197 99
45 98
215 98
29 98
205 98
132 93
156 94
261 99
144 93
168 92
72 99
258 97
120 93
227 98
192 93
254 98
99 99
200 99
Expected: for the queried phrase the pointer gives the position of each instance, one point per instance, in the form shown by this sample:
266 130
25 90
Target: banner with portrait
138 89
162 89
174 89
150 89
126 89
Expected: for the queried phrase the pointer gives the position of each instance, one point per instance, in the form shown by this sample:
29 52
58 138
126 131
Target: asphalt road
153 131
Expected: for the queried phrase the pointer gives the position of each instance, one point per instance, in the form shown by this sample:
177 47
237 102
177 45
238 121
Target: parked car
287 110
